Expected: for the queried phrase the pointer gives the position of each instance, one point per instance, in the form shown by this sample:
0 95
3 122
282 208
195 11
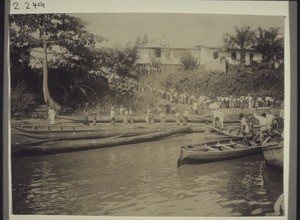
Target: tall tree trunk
46 93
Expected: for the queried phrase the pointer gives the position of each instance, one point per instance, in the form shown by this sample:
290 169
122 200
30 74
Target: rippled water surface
142 179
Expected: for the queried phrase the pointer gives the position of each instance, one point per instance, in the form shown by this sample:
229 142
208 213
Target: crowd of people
231 101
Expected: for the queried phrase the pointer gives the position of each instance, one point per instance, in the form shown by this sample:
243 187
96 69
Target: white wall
207 54
168 55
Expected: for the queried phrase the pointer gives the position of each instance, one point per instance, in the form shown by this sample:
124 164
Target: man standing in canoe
244 128
112 115
51 116
263 124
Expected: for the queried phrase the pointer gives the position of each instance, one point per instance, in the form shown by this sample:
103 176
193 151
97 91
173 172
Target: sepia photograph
147 114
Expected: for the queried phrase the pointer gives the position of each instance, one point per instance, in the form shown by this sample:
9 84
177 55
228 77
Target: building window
233 55
158 52
251 55
215 55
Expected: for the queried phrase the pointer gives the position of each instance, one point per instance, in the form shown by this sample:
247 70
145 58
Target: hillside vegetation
239 81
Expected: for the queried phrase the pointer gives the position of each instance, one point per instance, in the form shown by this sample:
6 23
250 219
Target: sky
173 29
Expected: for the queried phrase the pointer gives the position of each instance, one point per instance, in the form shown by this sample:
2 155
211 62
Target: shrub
189 62
21 98
156 64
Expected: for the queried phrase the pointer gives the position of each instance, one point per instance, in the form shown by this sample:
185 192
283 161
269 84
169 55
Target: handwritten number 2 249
35 5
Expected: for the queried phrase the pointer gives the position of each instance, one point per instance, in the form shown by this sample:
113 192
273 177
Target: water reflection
142 179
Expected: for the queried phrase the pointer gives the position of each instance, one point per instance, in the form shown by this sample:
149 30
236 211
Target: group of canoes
233 147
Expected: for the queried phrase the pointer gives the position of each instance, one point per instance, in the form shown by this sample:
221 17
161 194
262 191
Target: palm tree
269 44
242 39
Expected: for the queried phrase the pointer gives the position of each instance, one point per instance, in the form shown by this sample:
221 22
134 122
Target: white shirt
112 114
270 118
218 114
51 112
262 120
244 123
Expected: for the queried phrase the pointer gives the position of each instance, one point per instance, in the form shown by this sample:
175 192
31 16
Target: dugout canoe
141 119
79 145
234 133
92 134
273 154
37 142
42 129
216 151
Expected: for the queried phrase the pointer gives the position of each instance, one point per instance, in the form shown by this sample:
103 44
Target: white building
209 58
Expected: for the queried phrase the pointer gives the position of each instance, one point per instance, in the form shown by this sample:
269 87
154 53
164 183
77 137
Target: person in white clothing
51 116
263 123
177 116
112 115
162 116
218 118
185 117
244 128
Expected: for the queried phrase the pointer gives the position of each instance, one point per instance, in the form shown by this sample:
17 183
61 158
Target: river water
142 180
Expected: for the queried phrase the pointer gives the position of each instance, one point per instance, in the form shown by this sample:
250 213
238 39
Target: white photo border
267 8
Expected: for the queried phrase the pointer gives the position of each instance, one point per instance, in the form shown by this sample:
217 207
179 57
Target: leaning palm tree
242 39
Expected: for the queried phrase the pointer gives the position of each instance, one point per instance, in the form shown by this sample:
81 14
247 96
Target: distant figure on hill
195 108
177 118
121 110
51 116
130 114
173 109
148 117
112 116
85 117
125 118
249 100
185 117
162 117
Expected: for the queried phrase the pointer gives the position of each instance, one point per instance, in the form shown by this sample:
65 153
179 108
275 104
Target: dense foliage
256 81
265 41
